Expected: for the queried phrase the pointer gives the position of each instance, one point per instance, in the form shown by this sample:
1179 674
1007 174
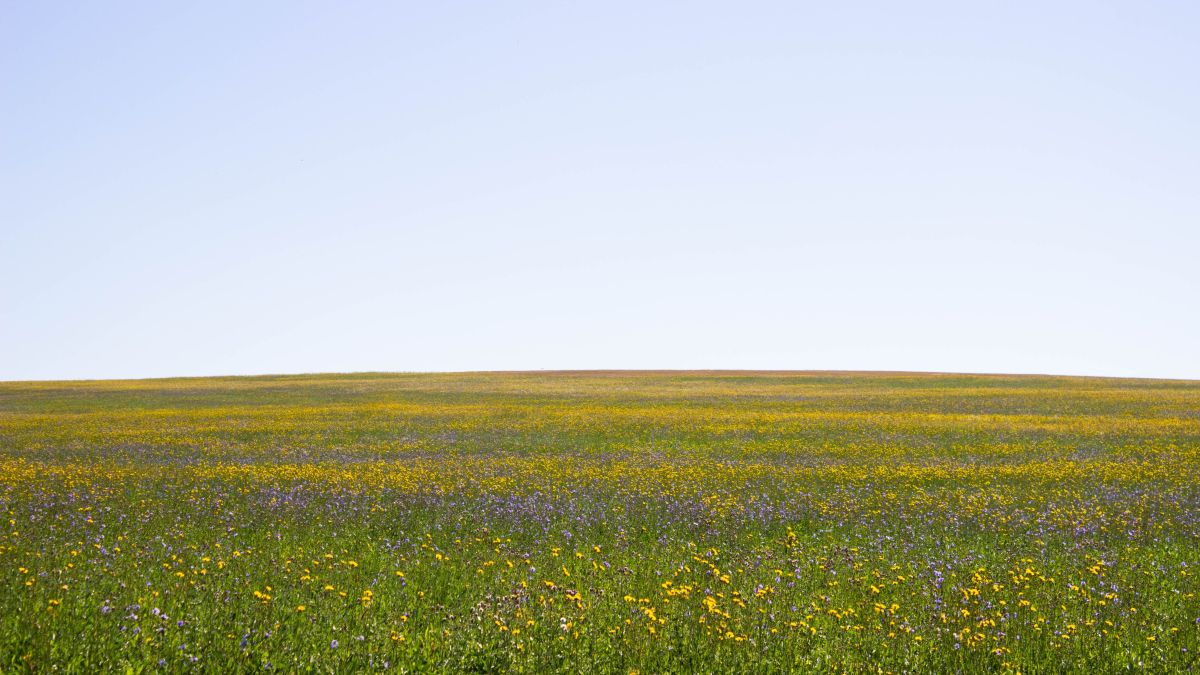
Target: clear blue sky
257 187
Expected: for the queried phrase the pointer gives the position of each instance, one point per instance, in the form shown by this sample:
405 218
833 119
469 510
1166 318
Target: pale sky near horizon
271 187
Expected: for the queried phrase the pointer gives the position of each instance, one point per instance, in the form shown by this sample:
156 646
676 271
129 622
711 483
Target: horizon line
608 371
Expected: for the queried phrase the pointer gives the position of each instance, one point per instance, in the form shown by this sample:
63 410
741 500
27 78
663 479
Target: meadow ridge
609 522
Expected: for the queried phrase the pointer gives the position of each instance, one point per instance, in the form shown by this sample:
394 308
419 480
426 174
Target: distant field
601 522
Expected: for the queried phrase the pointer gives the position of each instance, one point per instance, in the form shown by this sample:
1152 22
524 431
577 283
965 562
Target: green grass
601 522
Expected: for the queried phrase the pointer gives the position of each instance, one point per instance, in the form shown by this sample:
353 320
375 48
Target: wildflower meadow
608 522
